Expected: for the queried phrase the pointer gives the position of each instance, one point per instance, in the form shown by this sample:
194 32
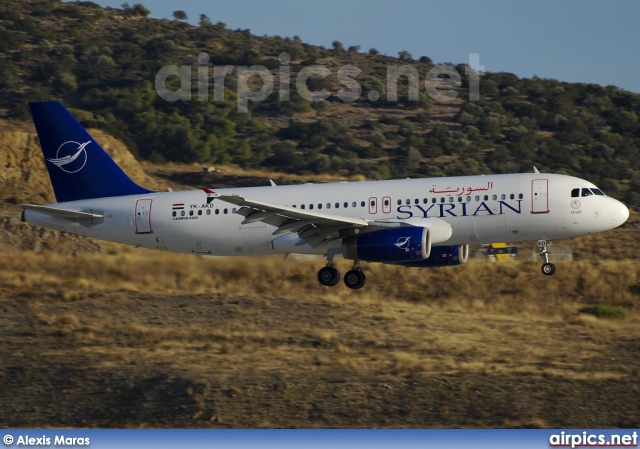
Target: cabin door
143 216
540 196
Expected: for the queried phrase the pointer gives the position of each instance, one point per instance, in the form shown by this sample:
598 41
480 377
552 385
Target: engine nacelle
442 256
393 245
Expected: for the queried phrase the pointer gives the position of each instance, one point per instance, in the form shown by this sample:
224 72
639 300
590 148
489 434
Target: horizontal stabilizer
61 213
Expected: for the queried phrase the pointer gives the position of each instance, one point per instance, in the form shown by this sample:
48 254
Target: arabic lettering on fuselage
459 191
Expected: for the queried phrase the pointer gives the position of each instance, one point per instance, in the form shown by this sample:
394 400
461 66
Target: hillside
103 62
94 334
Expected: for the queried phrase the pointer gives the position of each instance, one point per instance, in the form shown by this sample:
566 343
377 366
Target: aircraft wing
312 227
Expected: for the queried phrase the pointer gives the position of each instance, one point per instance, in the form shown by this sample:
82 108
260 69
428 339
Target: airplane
426 222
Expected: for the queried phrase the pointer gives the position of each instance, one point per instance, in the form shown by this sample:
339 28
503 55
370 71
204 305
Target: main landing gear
330 276
548 269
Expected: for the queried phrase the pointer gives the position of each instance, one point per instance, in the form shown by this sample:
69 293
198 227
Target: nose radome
619 213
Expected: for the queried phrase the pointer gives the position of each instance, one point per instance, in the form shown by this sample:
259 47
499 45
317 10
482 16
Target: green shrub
602 311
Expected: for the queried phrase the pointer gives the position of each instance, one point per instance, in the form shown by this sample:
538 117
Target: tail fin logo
71 156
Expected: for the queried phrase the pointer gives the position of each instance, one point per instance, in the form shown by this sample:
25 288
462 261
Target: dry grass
479 287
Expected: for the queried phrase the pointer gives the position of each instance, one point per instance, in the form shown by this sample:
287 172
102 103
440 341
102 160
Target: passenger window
512 196
217 211
354 204
386 202
503 197
416 201
575 193
425 200
233 211
459 199
200 212
477 197
451 199
226 211
408 201
174 213
373 203
311 206
362 203
433 201
520 196
399 202
586 192
494 197
468 199
337 205
302 206
182 213
319 206
346 205
486 197
208 211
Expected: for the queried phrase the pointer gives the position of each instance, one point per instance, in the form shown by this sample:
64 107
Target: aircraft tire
328 276
548 269
355 279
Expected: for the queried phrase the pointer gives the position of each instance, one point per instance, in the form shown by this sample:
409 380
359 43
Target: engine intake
394 245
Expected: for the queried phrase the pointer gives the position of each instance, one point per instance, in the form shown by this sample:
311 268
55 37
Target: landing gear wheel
329 276
355 279
548 269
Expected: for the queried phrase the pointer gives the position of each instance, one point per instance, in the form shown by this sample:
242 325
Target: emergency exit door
143 217
540 196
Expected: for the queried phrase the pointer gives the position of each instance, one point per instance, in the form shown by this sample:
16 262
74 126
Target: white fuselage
480 209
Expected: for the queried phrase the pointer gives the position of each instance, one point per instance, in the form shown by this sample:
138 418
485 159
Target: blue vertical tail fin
78 167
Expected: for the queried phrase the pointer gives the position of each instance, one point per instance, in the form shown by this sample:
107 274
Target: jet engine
393 245
441 256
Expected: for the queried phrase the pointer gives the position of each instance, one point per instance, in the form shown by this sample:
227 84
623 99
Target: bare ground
124 359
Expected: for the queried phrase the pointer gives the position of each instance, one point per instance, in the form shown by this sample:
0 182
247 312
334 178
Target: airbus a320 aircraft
409 222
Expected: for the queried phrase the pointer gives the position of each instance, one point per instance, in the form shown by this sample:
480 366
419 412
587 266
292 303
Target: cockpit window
597 192
575 193
586 192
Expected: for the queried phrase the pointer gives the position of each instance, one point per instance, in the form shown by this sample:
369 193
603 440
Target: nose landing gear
548 269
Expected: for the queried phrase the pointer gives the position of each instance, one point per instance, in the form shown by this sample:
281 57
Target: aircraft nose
619 213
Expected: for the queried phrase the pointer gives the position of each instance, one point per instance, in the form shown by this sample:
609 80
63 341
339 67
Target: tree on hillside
180 15
136 10
404 55
205 21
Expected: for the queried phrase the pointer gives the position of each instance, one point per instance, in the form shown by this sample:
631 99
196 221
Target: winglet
535 170
209 191
273 184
